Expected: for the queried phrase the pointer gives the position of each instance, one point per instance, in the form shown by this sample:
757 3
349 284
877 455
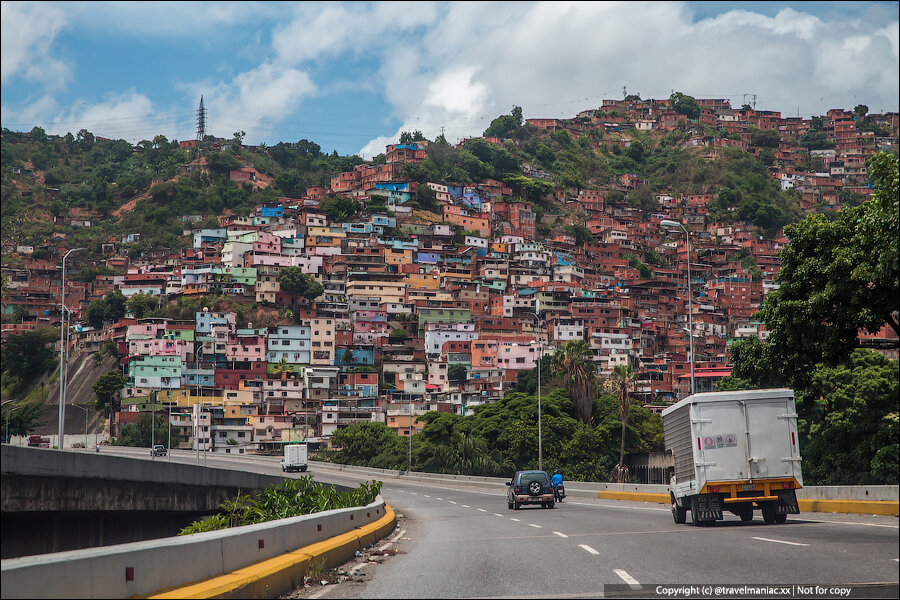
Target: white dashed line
426 495
497 515
631 581
762 539
414 493
465 506
324 591
438 498
588 549
451 501
562 535
482 510
533 525
516 520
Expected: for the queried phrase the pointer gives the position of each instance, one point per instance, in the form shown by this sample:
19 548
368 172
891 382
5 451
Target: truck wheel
780 518
679 513
768 513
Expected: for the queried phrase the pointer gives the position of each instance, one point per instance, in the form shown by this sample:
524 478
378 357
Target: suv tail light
517 490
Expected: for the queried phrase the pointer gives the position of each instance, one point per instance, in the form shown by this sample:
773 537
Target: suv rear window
526 478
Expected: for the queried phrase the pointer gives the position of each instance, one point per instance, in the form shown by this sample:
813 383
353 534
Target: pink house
250 348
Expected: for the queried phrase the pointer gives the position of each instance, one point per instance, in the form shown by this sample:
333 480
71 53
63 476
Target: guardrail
857 499
268 557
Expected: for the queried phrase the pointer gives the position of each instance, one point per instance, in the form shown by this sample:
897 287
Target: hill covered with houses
284 293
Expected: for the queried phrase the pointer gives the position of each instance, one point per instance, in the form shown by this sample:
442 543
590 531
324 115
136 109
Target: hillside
49 181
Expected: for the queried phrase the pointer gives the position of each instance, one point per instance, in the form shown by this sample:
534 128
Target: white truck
734 451
295 458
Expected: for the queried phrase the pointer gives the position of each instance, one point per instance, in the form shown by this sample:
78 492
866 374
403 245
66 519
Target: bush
291 498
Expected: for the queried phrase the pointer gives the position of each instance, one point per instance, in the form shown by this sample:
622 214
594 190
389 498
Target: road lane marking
465 506
482 510
779 541
497 515
516 520
438 498
451 501
562 535
426 495
324 591
533 525
588 549
414 493
631 581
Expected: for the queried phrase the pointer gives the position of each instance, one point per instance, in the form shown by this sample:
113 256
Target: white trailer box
735 451
295 458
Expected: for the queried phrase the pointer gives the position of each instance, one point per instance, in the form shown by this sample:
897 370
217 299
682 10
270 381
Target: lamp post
62 312
7 418
667 224
85 409
537 318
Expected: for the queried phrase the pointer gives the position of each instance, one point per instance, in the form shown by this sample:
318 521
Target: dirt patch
352 574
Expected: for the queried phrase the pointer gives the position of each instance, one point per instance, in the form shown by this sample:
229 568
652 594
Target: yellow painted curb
634 497
279 575
859 507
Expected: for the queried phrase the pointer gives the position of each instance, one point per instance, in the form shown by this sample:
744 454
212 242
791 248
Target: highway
461 541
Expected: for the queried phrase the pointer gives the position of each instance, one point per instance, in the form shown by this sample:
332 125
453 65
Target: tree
504 125
861 110
684 105
27 356
407 137
573 366
142 304
106 392
20 419
457 374
146 431
294 281
621 383
848 422
837 277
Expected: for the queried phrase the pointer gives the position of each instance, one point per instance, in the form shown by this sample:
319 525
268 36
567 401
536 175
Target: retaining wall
146 568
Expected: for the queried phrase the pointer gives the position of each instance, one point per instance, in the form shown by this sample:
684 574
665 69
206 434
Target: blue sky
352 76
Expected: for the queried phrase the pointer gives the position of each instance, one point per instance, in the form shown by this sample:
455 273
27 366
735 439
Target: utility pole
62 348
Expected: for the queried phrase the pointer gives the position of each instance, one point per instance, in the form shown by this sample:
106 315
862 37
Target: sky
352 76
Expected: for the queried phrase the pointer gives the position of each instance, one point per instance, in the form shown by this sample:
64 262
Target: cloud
129 115
254 101
555 59
27 33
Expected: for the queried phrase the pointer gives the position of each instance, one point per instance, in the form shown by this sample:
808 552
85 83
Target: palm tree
621 383
573 366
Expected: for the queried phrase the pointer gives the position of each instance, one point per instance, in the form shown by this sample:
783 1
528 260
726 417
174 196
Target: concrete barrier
854 499
144 568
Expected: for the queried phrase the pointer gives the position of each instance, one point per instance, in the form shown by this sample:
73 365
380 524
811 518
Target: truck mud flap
787 504
710 507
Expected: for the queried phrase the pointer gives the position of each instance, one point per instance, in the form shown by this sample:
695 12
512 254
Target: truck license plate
748 488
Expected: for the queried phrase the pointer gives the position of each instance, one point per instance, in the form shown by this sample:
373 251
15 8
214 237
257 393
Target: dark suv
530 487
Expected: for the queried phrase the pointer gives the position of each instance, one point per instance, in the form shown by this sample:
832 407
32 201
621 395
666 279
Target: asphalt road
460 541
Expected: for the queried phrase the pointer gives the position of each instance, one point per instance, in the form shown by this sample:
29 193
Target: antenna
201 121
624 92
754 101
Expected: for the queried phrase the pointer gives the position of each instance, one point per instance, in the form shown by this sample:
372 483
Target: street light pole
62 313
668 224
7 418
537 310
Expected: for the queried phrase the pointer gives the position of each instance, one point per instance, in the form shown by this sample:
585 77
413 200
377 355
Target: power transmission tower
201 121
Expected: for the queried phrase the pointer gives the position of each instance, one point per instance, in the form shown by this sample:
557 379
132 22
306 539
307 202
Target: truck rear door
721 443
772 438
